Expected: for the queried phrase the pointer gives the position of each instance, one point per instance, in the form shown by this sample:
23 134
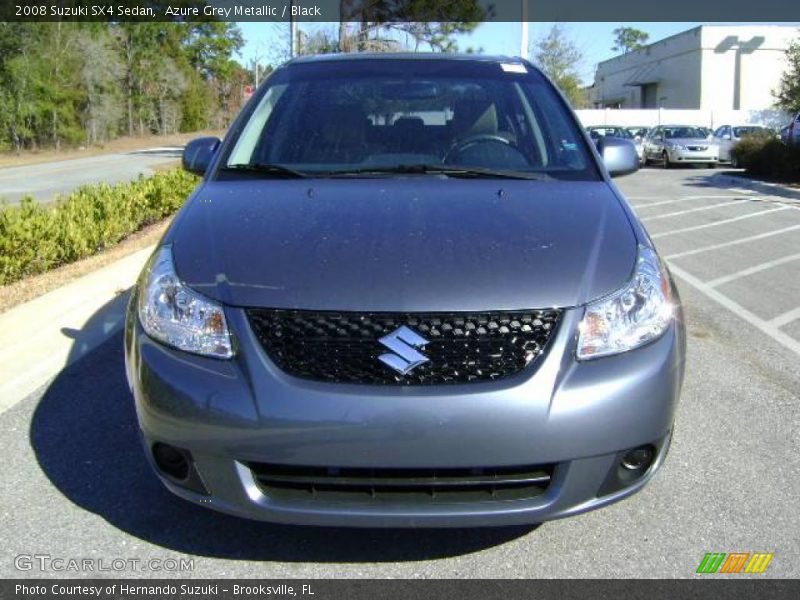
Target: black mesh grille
343 347
403 485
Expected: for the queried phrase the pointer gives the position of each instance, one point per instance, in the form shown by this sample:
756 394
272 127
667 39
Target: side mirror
727 136
619 156
659 138
199 153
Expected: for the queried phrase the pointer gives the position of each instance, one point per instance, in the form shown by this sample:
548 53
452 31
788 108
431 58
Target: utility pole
523 34
256 60
292 32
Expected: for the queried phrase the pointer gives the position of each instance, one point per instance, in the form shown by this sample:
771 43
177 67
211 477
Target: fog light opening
639 459
171 461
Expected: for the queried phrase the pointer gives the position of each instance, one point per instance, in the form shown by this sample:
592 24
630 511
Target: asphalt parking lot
45 181
77 485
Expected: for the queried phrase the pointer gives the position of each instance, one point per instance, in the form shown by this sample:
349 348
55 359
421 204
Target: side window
243 150
556 142
719 132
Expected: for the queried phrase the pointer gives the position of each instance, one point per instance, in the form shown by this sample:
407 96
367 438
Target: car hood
404 244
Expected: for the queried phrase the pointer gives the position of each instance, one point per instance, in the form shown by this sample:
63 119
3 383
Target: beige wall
696 69
762 62
675 61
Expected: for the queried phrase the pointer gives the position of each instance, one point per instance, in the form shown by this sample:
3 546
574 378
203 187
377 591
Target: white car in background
728 136
596 132
672 145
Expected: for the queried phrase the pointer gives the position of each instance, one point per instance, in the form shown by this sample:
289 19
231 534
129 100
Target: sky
595 40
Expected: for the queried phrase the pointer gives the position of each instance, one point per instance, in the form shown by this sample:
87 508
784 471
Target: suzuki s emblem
404 356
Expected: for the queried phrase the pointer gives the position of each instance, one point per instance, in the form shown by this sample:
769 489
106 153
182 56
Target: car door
656 143
724 137
646 143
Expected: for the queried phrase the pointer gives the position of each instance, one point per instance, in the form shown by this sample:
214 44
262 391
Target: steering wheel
480 138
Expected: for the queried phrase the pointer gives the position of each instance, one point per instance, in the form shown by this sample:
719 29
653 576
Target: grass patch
35 238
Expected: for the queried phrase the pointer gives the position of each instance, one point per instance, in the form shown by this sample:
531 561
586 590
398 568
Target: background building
712 67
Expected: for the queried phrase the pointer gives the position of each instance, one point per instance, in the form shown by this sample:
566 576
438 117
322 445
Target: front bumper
577 417
693 156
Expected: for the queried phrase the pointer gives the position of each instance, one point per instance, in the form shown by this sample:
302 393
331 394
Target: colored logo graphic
735 562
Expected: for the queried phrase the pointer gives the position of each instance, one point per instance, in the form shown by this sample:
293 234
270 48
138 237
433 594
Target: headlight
630 317
178 316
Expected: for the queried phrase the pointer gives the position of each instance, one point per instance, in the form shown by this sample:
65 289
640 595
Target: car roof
360 56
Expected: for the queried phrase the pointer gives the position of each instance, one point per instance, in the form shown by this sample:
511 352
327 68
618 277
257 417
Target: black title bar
398 10
464 589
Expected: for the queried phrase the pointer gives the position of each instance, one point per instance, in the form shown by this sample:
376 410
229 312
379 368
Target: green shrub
36 238
764 156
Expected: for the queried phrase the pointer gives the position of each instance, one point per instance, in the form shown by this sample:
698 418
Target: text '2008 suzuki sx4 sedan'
406 294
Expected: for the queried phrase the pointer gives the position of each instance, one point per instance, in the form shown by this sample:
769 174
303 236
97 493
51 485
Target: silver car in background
624 133
680 144
728 136
638 132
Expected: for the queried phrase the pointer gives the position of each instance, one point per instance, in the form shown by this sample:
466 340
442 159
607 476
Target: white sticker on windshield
514 68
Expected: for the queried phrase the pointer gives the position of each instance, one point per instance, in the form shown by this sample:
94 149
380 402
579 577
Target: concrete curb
41 337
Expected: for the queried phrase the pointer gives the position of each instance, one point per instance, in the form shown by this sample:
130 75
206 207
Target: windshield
683 132
747 130
618 132
381 116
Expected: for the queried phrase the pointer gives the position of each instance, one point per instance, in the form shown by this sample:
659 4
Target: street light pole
292 32
523 34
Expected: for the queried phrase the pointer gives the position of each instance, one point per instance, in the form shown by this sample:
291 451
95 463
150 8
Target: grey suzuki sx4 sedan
406 294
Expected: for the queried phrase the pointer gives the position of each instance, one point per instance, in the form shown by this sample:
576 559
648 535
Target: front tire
734 162
665 159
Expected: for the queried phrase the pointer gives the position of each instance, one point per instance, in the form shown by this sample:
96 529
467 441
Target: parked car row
669 145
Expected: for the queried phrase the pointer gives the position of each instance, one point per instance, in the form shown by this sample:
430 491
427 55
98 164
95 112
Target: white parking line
692 210
720 222
785 318
685 198
751 238
766 327
752 270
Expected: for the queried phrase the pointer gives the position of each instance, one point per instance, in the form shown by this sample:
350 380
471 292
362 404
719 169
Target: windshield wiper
455 171
274 170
